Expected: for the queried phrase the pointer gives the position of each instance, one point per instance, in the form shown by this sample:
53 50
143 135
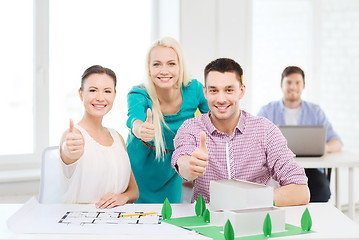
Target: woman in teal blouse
155 112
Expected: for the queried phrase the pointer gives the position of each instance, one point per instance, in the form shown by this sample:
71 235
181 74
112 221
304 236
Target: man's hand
191 167
73 145
199 159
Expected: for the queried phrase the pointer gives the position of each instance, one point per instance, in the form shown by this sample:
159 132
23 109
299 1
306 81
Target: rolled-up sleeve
281 160
185 142
323 120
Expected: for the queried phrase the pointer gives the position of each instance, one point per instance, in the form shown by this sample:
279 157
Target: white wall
338 74
210 29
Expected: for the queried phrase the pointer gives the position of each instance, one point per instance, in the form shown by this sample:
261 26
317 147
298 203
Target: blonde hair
183 80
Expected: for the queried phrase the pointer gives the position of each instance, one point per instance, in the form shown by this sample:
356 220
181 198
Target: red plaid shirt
256 150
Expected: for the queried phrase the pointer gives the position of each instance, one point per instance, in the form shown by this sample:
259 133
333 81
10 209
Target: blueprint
100 217
33 217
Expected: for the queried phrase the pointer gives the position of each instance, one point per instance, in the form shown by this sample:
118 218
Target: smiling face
164 67
223 92
292 87
98 94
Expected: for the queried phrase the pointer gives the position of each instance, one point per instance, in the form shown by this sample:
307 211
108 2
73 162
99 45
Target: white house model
246 205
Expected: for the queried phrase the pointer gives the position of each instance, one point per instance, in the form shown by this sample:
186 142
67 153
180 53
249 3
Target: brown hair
100 70
290 70
223 65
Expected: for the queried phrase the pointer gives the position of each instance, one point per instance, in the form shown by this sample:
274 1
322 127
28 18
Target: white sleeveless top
101 169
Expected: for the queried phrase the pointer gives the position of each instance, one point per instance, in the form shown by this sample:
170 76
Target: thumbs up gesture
147 129
73 143
199 158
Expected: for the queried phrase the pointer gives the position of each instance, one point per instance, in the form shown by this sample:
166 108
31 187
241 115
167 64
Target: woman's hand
73 144
144 130
110 200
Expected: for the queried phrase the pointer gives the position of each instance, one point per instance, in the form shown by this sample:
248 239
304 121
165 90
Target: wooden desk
338 160
328 223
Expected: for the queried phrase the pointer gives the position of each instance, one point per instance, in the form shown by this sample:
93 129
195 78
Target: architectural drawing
98 217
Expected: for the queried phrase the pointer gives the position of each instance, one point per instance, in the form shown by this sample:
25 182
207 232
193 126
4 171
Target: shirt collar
242 121
208 124
282 107
212 129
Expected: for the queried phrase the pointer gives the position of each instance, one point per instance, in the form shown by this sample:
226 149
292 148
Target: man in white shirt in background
292 110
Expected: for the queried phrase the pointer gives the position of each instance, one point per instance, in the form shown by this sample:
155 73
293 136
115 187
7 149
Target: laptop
305 141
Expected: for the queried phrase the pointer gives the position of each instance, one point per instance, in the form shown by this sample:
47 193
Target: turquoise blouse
156 179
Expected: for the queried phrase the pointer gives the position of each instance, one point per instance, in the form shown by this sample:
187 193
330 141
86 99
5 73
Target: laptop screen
305 141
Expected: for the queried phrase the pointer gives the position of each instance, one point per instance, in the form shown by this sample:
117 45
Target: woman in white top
95 158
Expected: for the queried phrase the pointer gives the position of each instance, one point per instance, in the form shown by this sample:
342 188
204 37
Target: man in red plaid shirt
229 143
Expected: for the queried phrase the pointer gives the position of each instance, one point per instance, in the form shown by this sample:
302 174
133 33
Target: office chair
328 173
52 180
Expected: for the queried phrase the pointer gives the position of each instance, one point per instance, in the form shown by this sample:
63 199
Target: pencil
137 214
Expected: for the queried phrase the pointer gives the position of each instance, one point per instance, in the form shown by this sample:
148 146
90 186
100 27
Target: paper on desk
33 217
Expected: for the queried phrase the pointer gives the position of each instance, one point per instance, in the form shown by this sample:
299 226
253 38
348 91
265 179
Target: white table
338 160
328 223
